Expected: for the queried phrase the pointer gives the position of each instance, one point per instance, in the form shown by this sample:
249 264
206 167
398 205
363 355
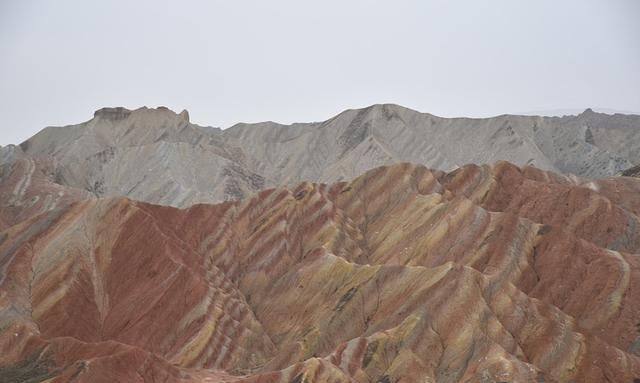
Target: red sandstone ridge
485 274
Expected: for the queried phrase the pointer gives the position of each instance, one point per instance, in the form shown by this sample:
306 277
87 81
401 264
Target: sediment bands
485 274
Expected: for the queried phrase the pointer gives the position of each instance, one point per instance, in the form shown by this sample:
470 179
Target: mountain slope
403 273
590 144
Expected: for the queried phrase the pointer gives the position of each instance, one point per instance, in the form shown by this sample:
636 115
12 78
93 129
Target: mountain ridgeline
158 156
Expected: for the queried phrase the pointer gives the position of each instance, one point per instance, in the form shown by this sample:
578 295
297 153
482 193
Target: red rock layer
486 274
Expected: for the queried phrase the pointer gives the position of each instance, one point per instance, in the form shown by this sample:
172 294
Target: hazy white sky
295 60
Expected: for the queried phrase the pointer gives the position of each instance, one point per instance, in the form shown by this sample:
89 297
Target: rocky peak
108 113
185 115
588 113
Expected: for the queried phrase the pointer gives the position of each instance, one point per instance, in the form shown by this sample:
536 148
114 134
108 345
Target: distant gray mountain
159 156
572 112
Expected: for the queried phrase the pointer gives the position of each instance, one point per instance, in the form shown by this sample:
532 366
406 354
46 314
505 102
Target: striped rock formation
29 187
485 274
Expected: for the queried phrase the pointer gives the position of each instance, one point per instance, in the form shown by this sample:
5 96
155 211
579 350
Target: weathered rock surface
632 172
485 274
158 156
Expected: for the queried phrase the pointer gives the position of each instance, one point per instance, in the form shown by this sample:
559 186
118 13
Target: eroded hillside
484 274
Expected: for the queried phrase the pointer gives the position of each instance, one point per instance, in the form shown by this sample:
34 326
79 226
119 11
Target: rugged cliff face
158 156
484 274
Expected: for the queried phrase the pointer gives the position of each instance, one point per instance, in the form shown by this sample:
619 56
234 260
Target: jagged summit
107 113
121 113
